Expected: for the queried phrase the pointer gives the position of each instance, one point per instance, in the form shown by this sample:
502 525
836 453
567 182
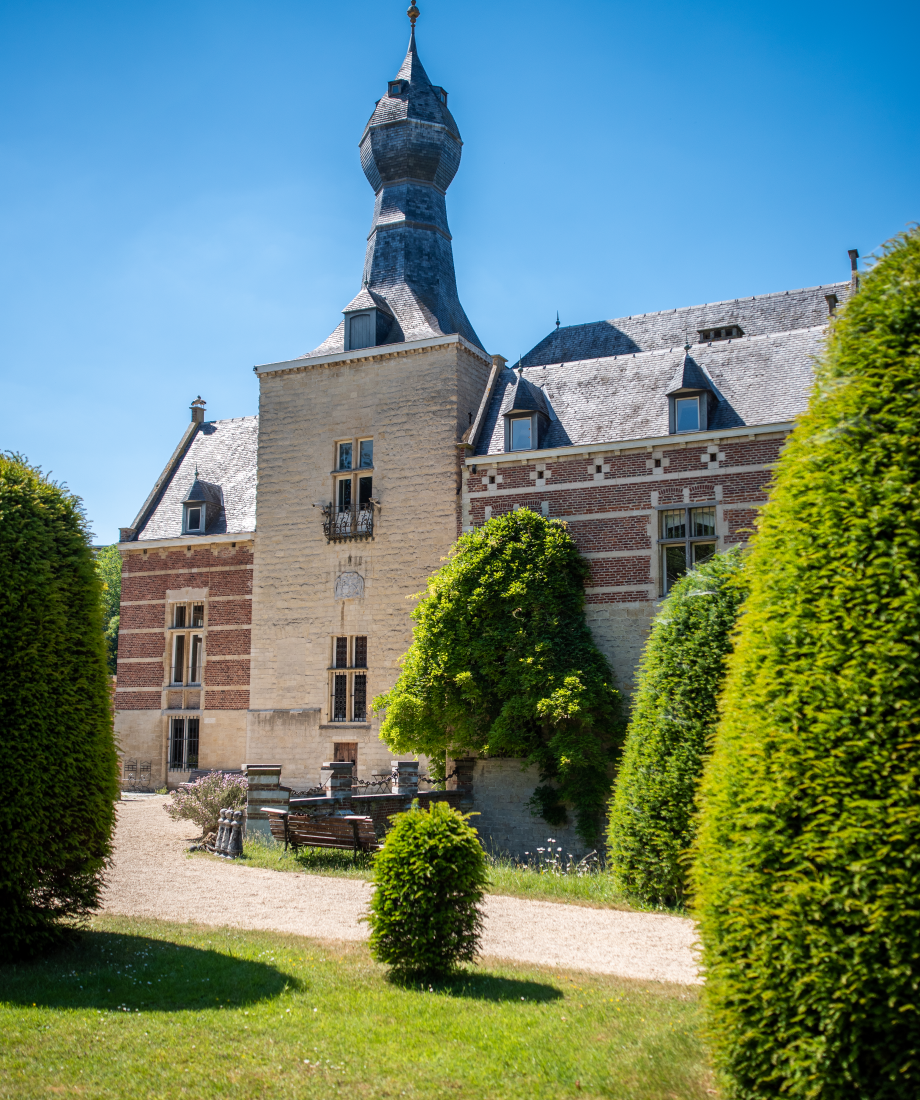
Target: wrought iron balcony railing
355 522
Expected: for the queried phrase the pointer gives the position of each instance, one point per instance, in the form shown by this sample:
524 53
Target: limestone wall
415 404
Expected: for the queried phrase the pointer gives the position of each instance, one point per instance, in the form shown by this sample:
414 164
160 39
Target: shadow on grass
479 986
115 972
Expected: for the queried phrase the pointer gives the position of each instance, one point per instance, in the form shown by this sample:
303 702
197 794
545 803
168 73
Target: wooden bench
350 832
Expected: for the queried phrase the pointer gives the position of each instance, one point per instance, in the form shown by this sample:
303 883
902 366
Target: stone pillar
405 777
264 790
462 779
339 778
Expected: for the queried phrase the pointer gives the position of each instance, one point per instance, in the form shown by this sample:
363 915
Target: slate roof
672 328
410 153
224 454
757 380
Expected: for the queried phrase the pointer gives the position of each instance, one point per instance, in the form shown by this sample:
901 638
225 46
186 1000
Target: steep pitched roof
222 459
672 328
756 379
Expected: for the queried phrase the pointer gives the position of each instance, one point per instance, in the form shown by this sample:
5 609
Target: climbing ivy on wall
502 663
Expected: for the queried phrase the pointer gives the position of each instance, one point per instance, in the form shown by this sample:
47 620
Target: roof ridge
703 305
736 341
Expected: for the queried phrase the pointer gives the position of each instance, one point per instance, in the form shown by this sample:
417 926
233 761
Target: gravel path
153 877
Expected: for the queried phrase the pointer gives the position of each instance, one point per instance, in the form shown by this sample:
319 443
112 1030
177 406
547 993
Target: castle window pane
360 700
675 564
344 456
673 524
198 614
703 551
366 454
340 698
344 494
688 414
702 522
365 491
361 652
520 434
341 653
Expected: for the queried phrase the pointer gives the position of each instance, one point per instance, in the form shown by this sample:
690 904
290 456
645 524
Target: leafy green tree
807 870
652 810
108 566
430 877
502 662
57 753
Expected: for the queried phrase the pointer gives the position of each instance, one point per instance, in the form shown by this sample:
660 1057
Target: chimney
197 408
832 302
853 253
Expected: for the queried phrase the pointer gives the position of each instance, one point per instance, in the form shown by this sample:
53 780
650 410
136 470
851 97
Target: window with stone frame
185 651
183 744
348 679
686 537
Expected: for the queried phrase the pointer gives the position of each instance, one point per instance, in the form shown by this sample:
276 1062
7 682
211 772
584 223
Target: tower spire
410 153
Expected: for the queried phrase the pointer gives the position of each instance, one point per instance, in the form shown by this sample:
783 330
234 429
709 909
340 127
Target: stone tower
410 153
360 448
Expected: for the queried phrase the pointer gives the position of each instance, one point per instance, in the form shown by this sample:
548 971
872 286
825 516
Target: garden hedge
502 663
430 877
57 753
807 871
681 675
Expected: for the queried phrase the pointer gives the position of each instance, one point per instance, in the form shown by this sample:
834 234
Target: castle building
266 577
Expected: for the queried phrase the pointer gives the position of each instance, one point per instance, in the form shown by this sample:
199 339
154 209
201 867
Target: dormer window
442 95
194 519
361 331
722 332
396 87
521 433
687 414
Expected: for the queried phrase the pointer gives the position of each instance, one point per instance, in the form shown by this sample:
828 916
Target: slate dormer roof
219 466
689 376
524 396
203 492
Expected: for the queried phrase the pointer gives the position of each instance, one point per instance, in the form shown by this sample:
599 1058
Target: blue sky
181 197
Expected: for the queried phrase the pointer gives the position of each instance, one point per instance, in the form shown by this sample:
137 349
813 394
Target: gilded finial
413 14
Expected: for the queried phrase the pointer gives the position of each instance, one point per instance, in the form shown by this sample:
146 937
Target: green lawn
594 889
150 1009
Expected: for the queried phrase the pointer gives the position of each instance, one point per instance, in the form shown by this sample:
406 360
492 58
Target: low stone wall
501 790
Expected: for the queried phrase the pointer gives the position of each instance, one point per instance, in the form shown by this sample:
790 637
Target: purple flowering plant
203 800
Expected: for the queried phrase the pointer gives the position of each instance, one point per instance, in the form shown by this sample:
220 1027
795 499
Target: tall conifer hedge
652 809
807 870
57 754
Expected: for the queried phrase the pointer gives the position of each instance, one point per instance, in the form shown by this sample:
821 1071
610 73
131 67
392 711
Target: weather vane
413 14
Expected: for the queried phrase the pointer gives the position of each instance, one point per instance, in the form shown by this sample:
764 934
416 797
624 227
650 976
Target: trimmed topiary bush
430 877
502 663
57 753
807 872
652 810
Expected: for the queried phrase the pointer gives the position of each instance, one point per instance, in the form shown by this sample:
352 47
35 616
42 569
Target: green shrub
502 663
430 877
201 802
652 809
57 754
108 566
808 857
